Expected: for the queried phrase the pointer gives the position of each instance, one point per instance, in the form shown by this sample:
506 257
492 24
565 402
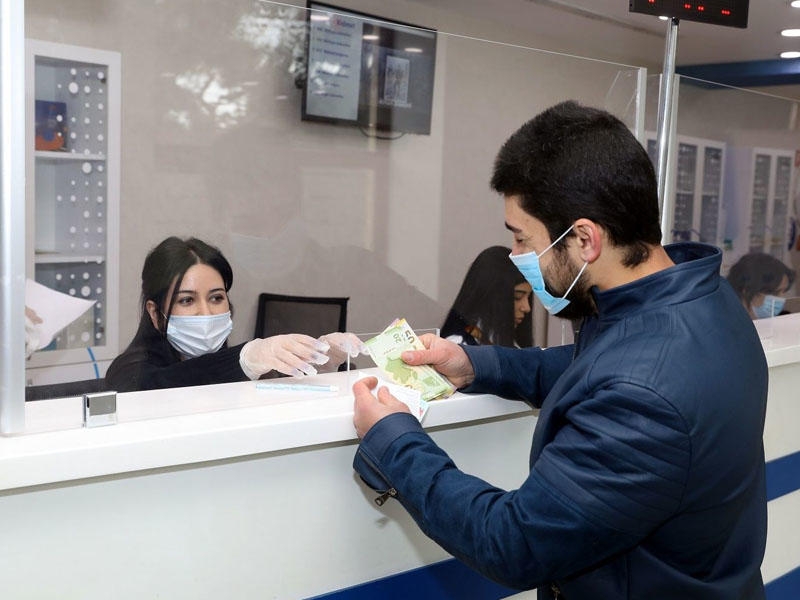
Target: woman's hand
340 345
290 354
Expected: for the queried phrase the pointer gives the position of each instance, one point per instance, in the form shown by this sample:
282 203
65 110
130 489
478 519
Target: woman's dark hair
573 162
168 263
758 273
486 300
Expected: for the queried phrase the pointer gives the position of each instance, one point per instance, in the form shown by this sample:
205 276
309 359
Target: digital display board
368 71
732 13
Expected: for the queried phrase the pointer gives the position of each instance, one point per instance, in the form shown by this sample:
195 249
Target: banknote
386 348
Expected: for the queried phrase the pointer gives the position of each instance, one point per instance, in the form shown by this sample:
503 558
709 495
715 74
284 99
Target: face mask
197 335
772 307
528 264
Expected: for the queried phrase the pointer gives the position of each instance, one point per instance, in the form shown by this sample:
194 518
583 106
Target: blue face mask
771 307
528 264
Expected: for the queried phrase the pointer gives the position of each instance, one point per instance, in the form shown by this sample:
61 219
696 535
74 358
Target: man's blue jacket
647 465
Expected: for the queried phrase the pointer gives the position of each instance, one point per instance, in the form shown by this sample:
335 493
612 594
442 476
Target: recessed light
791 53
791 33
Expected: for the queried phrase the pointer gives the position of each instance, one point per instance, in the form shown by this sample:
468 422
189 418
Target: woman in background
760 280
185 323
493 305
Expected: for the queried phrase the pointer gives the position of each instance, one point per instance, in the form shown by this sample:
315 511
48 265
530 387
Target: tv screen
367 71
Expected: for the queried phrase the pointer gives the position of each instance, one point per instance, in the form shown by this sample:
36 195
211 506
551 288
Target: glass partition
733 183
212 145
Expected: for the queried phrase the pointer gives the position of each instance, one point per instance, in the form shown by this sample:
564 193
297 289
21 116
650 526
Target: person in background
761 280
493 305
185 323
647 473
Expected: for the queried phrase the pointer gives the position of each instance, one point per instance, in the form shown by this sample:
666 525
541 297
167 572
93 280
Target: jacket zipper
390 493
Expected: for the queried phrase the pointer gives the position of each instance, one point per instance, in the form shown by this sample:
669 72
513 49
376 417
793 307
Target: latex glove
290 354
340 346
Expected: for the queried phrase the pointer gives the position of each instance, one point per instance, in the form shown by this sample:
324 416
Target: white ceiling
641 37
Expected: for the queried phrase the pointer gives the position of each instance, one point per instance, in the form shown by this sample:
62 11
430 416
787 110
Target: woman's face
202 292
782 289
522 301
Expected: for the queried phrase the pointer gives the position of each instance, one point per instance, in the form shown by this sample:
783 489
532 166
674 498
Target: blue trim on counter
783 476
785 587
447 579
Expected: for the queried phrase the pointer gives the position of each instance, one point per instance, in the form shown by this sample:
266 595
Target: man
647 466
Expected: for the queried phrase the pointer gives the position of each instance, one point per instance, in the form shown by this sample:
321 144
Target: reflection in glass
213 145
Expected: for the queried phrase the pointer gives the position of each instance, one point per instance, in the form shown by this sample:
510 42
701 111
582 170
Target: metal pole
665 102
12 216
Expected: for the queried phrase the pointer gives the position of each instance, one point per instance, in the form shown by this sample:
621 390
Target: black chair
279 313
67 389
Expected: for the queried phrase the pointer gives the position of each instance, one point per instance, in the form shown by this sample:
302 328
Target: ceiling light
791 33
795 4
791 53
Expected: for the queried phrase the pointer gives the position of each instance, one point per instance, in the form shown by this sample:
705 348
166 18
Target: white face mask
196 335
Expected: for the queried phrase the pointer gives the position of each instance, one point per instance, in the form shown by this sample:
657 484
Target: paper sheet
56 310
408 396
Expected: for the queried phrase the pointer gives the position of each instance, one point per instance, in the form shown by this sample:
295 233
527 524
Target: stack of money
386 348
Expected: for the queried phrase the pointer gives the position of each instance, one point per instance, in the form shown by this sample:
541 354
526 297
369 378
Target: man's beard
562 273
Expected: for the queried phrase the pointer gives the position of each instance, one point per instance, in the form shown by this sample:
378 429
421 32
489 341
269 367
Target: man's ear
590 239
152 310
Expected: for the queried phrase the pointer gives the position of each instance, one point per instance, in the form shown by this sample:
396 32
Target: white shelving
697 189
72 194
760 184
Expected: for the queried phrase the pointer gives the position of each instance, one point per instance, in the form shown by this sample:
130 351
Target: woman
493 305
760 281
185 323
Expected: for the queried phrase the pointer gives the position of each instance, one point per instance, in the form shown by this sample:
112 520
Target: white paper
408 396
56 310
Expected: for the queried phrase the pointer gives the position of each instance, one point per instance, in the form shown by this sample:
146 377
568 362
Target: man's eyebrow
513 229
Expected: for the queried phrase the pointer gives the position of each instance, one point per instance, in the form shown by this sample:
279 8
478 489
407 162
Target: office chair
278 314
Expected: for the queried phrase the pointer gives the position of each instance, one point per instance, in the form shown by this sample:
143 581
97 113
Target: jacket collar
695 274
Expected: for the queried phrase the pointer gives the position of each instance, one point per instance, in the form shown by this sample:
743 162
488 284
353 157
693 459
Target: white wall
213 146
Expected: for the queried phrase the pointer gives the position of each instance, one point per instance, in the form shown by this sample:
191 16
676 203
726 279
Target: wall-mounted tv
368 71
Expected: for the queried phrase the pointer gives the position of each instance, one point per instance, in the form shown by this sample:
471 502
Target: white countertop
179 426
780 337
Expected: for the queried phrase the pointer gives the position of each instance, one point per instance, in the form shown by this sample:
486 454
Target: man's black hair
573 162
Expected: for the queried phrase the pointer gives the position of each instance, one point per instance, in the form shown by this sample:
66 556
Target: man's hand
369 409
445 356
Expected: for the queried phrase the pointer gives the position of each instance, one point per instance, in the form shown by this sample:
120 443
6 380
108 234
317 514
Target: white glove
290 354
341 345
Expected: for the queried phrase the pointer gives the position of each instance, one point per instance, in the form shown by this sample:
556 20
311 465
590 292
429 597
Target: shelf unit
72 195
760 180
697 185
